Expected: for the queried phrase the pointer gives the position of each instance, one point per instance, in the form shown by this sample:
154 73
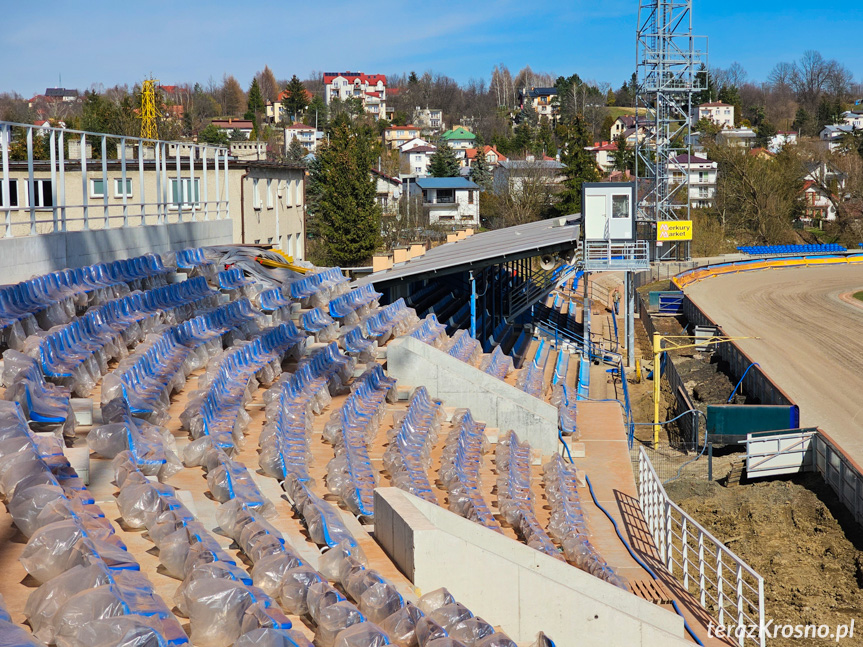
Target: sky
121 42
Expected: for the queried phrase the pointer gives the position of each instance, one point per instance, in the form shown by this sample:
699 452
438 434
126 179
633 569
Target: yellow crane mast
148 109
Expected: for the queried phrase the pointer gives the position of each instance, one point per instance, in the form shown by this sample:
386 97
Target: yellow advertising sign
674 230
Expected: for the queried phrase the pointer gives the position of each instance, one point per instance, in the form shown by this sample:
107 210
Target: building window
470 197
256 198
299 190
118 188
445 196
269 195
42 198
620 206
97 188
13 194
184 194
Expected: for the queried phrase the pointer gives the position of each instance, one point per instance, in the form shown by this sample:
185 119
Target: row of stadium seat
758 250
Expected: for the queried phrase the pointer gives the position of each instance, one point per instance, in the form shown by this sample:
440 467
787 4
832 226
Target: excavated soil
798 536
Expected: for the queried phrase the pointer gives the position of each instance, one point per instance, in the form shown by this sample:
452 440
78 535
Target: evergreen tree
623 156
545 144
317 110
413 79
731 95
764 133
343 205
480 172
213 135
443 162
803 122
255 104
296 152
295 100
580 167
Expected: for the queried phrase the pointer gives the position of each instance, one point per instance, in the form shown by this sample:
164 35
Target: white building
853 118
740 137
306 135
603 154
413 143
371 89
450 200
702 178
430 119
780 140
388 190
722 114
417 160
833 135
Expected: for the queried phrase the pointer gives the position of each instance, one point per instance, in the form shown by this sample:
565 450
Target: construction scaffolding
667 65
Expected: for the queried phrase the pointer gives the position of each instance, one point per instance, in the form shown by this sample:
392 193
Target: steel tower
667 62
148 110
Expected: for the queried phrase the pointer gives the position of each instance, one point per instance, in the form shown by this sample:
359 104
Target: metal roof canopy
485 249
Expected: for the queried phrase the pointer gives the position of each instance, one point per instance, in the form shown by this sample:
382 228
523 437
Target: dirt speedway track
811 340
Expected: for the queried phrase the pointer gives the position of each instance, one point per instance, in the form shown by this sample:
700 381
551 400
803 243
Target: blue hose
741 380
637 559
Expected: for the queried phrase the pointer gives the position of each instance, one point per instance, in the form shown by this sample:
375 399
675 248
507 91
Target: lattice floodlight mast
148 109
667 76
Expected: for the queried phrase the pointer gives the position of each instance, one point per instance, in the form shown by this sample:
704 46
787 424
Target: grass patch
859 295
619 111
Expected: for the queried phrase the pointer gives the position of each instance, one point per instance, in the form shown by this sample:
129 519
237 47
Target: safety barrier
840 472
723 584
700 273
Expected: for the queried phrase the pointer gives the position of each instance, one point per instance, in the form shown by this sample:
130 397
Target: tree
443 162
804 123
765 132
343 206
731 95
296 152
267 82
296 99
233 96
255 105
580 167
237 135
623 156
316 113
480 172
213 135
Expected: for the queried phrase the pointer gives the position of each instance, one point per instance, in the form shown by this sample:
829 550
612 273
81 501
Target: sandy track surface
811 339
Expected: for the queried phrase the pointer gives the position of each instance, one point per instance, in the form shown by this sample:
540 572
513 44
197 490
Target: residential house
762 153
853 118
603 155
450 200
702 178
61 94
245 126
248 150
833 135
415 161
541 100
780 140
429 119
818 203
513 175
395 136
459 139
721 114
413 143
306 135
388 190
740 137
634 129
370 89
491 154
267 200
276 109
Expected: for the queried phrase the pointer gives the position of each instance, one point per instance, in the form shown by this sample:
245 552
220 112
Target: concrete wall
26 256
511 585
491 400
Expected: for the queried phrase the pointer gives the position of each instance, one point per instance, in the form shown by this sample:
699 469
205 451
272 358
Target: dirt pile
796 535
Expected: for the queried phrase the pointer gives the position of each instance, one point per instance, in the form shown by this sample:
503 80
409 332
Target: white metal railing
725 586
602 255
50 183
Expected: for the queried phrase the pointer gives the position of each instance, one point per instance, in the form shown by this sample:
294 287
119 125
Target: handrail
704 565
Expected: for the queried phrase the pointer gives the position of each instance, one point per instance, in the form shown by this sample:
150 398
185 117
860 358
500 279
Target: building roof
170 89
299 126
420 149
445 183
354 76
541 92
386 177
484 249
716 104
459 132
471 152
408 127
602 146
526 164
691 159
239 124
284 95
60 92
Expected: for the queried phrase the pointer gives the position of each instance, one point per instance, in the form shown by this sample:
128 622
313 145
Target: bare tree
268 84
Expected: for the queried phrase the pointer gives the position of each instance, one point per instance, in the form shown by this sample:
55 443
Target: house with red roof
276 111
491 154
371 89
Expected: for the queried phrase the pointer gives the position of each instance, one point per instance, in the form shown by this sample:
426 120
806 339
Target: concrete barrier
512 585
458 384
25 256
